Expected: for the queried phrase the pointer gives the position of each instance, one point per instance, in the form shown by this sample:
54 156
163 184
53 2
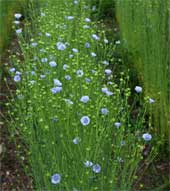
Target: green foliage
48 122
145 29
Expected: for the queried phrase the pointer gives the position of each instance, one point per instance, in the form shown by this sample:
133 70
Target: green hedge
145 29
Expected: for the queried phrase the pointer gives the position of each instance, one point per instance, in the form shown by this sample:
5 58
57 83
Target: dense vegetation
83 124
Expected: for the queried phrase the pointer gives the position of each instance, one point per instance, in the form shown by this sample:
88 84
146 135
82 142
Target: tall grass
72 117
145 29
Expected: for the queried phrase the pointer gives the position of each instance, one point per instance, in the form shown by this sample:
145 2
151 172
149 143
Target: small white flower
17 78
61 46
86 27
32 82
106 41
96 168
88 163
95 37
79 73
57 82
18 73
53 64
94 8
147 136
17 22
105 62
117 124
87 20
75 50
117 42
19 31
71 55
151 100
56 178
70 17
85 120
108 72
68 101
138 89
42 76
47 34
68 77
42 14
17 15
93 54
84 99
104 111
56 90
76 140
75 2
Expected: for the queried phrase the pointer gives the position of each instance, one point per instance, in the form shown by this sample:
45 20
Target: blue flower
67 77
147 136
88 80
138 89
18 31
65 67
61 46
87 20
79 73
34 44
17 78
108 72
88 163
117 124
107 92
44 59
56 178
56 90
85 120
17 15
104 111
76 140
84 99
12 70
96 168
53 64
95 37
57 82
87 45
